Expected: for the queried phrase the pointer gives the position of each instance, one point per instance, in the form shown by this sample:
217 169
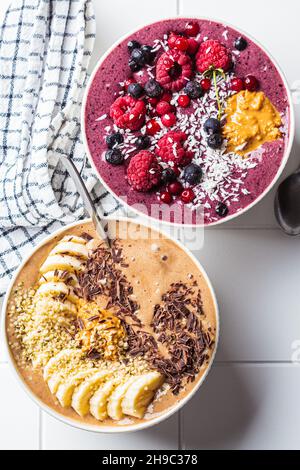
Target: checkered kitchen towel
45 47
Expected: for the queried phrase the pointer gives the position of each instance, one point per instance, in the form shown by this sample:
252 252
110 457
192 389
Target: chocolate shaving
86 236
176 321
69 332
102 264
95 317
177 324
93 354
80 323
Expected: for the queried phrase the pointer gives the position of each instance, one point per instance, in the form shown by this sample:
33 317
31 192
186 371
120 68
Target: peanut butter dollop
251 120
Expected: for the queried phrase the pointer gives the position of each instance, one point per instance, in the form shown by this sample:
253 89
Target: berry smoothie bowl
188 121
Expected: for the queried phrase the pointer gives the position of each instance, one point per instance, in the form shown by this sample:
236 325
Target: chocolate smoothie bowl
188 121
103 344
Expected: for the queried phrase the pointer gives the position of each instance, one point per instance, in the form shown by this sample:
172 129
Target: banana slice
54 381
140 393
66 388
56 289
114 406
98 402
59 361
73 239
61 262
59 276
70 248
82 394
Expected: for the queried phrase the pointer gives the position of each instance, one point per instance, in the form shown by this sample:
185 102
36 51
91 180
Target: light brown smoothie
151 264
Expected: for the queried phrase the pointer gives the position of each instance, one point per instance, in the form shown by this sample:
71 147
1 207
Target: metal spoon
287 204
97 218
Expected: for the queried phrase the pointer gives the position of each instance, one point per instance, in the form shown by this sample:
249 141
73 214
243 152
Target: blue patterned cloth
45 48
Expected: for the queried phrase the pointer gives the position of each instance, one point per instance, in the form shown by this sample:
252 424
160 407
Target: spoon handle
88 203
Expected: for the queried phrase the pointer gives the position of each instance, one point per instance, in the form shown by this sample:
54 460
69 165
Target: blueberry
221 209
153 88
192 174
148 54
138 56
114 157
133 45
143 142
215 141
168 175
135 90
212 126
114 139
134 67
240 44
193 90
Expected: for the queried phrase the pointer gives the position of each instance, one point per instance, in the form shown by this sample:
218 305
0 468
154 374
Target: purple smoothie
105 88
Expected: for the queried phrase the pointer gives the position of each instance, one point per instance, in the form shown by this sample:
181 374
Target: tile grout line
177 7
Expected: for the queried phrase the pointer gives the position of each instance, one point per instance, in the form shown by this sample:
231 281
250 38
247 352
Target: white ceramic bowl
288 146
79 424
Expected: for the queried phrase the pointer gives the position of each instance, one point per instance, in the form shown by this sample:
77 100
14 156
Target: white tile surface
19 416
118 17
256 277
56 435
245 407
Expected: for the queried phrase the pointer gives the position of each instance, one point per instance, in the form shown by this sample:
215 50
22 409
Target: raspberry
173 70
144 171
212 54
169 147
128 113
